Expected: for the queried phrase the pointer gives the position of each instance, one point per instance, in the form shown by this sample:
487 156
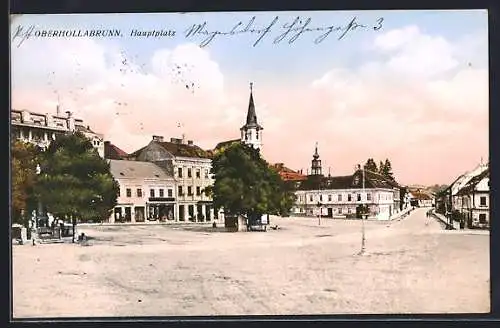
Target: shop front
161 209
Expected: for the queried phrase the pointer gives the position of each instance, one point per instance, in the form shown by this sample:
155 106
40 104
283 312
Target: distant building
146 192
474 200
113 152
420 198
41 129
288 174
190 166
447 200
342 196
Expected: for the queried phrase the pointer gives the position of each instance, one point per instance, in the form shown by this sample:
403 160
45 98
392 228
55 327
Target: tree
75 181
370 165
25 157
386 169
245 184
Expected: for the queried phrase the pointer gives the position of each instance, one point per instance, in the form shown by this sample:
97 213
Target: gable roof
137 169
354 181
113 152
224 144
176 149
471 185
183 150
286 173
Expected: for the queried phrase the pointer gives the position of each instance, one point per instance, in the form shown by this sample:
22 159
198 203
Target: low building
190 166
343 196
147 192
421 198
41 129
474 201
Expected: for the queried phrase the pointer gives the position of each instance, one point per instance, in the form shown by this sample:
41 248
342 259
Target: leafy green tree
245 184
24 160
386 169
75 181
370 165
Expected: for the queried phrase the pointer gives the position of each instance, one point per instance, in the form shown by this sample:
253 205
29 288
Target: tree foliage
75 181
24 159
245 184
386 169
370 165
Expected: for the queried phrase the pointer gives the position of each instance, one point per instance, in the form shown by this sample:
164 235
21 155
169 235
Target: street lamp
362 251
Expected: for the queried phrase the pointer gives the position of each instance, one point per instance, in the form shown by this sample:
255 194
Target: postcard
250 163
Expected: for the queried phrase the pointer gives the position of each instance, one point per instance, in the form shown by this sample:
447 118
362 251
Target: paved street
302 268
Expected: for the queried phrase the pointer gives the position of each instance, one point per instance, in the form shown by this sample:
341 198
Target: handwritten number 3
379 24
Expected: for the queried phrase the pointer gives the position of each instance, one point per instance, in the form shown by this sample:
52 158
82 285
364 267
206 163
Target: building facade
344 196
147 192
473 201
41 129
190 166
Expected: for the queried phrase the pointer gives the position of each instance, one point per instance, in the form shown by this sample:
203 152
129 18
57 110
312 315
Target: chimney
158 138
190 142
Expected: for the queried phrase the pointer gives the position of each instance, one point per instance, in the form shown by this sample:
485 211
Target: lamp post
38 212
362 251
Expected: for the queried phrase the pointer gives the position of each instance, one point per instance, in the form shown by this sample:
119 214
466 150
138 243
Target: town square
210 175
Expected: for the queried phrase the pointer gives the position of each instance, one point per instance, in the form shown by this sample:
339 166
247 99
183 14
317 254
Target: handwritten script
289 31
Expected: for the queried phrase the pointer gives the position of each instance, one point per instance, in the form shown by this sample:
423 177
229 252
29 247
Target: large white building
147 192
41 129
190 166
342 196
461 182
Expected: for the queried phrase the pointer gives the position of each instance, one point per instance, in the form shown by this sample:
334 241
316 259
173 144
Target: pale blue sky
236 55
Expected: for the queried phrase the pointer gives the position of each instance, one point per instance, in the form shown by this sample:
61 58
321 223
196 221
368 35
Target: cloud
415 105
415 100
102 84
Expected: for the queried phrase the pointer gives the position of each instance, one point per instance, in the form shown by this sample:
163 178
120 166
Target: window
340 197
311 198
482 218
129 192
189 172
190 191
179 172
349 198
482 201
329 198
206 174
179 190
340 210
320 198
198 174
119 192
139 192
161 193
151 193
369 196
198 191
359 197
349 210
169 192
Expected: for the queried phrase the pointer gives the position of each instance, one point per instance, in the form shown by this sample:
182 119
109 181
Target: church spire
316 162
251 133
251 115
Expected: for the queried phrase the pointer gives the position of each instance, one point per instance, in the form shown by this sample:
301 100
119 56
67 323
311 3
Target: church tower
251 132
316 163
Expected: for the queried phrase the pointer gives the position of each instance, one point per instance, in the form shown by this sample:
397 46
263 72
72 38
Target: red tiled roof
113 152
